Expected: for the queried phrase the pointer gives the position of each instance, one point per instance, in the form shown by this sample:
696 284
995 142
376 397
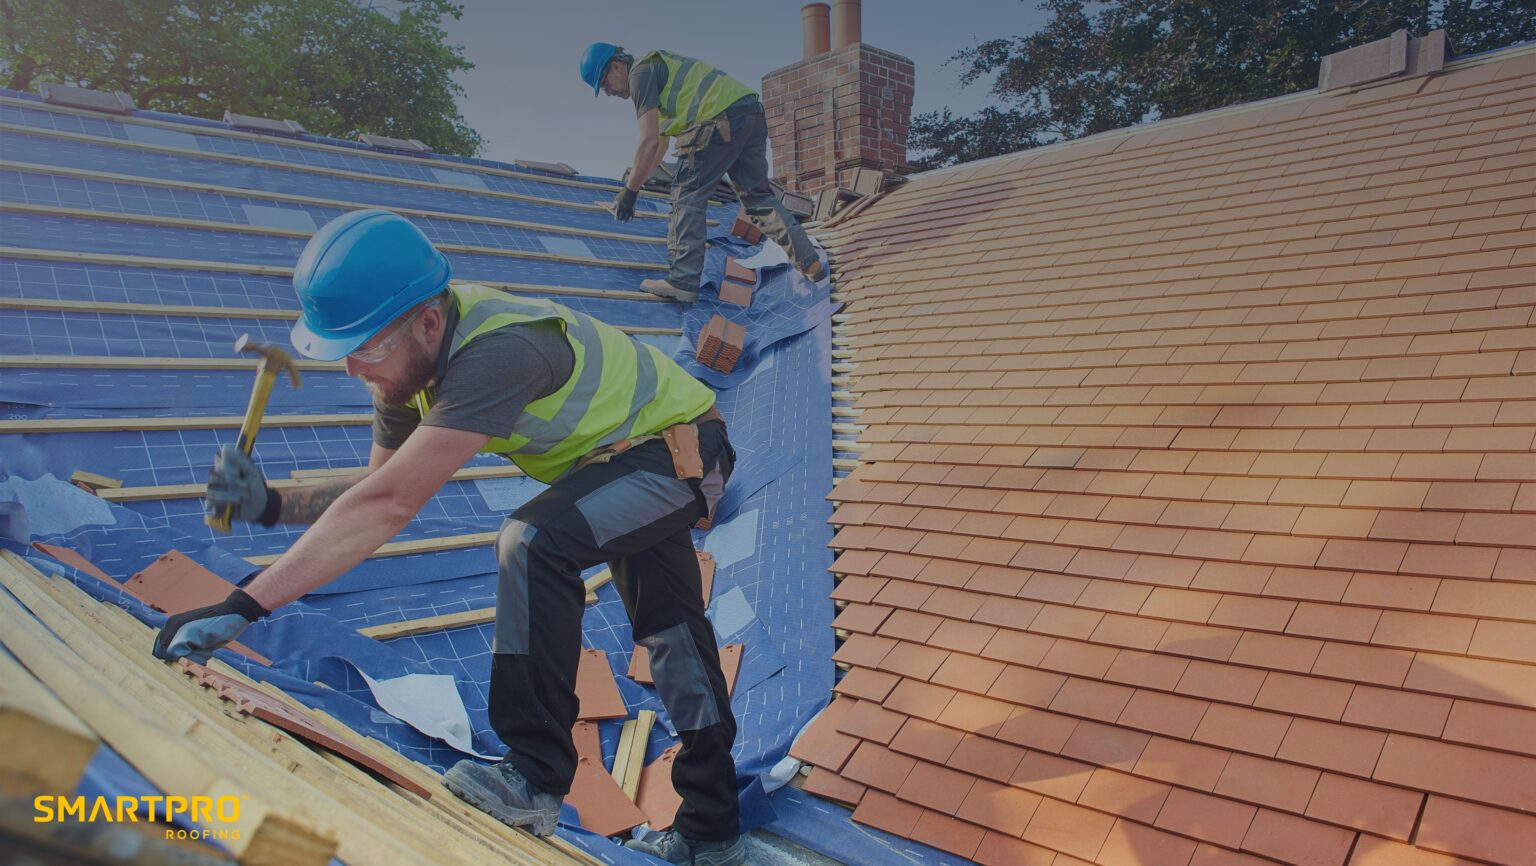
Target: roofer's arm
238 484
305 504
648 154
362 518
649 151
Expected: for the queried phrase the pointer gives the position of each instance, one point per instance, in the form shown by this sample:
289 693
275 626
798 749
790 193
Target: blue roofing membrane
183 212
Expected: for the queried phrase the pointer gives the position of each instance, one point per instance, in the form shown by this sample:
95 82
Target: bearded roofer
719 127
457 370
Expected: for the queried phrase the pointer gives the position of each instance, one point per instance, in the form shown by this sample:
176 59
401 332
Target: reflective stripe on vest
619 386
702 90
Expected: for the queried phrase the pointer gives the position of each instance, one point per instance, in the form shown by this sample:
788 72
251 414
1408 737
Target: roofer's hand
237 483
197 633
624 205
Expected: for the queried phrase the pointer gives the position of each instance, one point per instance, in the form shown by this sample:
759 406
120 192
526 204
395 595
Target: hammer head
273 359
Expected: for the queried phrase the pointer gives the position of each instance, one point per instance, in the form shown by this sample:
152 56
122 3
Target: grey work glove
195 634
624 205
237 482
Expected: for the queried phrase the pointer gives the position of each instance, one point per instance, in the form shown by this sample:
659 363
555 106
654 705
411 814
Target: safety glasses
379 351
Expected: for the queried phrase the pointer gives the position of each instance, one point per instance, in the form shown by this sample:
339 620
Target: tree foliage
339 67
1106 65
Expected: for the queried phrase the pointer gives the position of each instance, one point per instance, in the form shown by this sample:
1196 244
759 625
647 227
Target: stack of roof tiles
720 344
745 229
1198 518
736 287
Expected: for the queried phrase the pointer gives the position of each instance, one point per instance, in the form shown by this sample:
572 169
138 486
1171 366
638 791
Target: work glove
236 482
195 634
624 205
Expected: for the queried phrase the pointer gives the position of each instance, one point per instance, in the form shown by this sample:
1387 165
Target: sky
526 99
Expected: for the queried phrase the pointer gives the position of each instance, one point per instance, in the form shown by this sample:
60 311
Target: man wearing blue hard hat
720 132
635 455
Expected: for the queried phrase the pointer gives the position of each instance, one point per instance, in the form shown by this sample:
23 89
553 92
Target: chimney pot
814 20
846 24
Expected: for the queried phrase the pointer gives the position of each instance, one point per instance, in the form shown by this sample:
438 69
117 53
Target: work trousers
633 513
703 159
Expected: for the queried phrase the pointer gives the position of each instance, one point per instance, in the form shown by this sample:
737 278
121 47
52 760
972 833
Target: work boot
674 847
501 791
814 270
667 290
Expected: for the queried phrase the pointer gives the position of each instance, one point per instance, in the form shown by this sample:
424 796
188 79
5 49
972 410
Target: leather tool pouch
683 442
692 140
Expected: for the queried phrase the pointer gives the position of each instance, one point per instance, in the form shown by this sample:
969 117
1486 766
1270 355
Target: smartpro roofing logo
207 812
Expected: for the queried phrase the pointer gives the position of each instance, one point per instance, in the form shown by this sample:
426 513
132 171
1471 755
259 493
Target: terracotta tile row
1172 545
1153 585
1021 778
1262 725
1043 802
1300 693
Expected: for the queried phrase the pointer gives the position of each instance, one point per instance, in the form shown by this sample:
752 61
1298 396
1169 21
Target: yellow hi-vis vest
619 388
694 91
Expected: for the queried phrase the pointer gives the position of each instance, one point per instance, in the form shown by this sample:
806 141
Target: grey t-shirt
487 384
645 83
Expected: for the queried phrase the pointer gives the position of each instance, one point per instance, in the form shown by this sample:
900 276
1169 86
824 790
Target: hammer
273 361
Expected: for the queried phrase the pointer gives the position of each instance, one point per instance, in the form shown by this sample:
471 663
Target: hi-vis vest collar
619 387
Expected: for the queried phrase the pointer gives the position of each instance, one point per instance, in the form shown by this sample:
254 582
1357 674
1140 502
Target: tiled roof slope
1198 518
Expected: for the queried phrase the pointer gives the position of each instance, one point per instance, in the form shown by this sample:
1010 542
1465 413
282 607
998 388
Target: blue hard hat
594 61
358 274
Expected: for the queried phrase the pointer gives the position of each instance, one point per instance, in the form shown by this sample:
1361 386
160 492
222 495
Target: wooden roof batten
1138 580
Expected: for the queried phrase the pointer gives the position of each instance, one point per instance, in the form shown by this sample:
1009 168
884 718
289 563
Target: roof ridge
1473 60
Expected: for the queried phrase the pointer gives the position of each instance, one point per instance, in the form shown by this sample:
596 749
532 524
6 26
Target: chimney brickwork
837 112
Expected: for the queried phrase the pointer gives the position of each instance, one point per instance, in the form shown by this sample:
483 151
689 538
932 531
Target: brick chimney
837 110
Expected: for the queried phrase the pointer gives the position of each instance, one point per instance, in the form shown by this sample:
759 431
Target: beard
419 369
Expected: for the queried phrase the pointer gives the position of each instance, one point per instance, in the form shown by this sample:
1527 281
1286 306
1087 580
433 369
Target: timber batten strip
296 234
461 619
406 548
208 422
128 309
153 493
285 272
75 362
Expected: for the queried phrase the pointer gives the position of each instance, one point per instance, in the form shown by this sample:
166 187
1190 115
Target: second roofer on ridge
720 131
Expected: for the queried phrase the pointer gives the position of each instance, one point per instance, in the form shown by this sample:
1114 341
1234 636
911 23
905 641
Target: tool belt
682 441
